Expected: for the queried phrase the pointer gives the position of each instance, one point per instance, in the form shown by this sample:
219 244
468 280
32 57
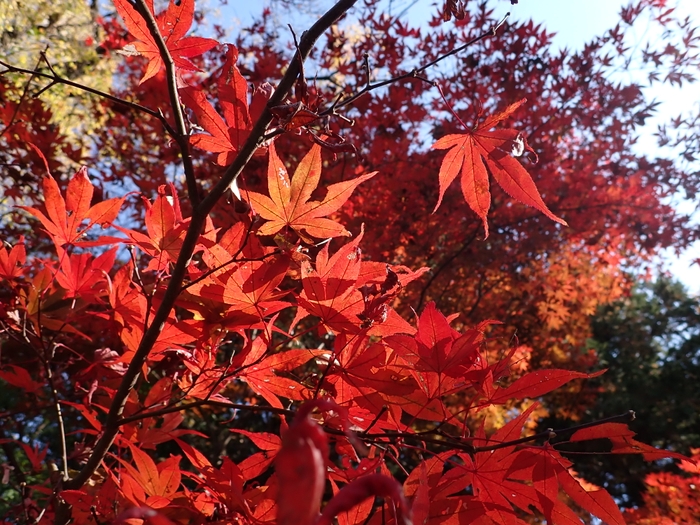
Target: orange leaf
289 205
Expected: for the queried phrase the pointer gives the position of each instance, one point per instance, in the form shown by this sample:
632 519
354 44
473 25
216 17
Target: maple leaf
479 152
288 204
64 217
19 377
262 377
438 357
249 289
623 442
173 24
228 134
11 262
333 291
166 230
538 383
226 482
257 463
362 376
148 483
490 473
83 275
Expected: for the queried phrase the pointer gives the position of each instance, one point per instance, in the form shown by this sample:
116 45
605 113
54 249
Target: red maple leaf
437 357
257 463
548 472
623 442
173 25
289 205
490 471
263 377
362 376
538 383
64 217
166 230
83 275
225 135
11 262
148 483
250 288
479 152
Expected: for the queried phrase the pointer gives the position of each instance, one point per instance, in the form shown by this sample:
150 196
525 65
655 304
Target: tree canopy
330 277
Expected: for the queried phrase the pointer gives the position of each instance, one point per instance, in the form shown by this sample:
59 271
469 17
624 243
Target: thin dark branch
182 136
467 444
202 403
415 73
8 449
490 32
60 80
446 263
551 434
59 413
25 91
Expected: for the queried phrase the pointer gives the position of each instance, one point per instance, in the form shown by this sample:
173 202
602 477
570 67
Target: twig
201 403
551 434
59 414
60 80
181 136
467 242
467 444
11 459
490 32
21 101
415 73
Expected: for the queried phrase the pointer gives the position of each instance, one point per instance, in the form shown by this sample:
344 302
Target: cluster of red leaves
235 286
669 497
254 288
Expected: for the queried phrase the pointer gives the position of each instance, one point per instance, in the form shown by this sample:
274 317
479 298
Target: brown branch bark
181 136
56 79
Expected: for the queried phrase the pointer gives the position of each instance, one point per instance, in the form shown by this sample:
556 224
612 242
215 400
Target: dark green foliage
650 344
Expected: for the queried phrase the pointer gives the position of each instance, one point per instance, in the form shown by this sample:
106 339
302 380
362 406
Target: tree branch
467 446
204 402
414 73
55 79
181 136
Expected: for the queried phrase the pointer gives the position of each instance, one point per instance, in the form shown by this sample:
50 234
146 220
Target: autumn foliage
250 254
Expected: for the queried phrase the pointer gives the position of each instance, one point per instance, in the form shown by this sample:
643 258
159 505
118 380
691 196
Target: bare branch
55 79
